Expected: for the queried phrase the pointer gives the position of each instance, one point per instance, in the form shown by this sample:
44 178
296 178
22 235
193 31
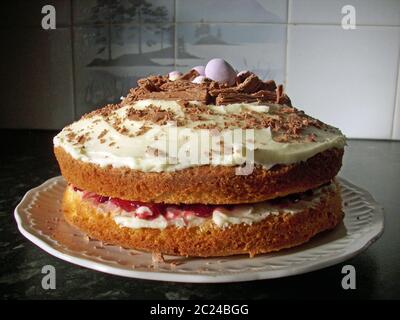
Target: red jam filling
150 211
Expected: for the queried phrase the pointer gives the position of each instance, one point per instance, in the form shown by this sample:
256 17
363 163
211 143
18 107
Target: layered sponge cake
206 163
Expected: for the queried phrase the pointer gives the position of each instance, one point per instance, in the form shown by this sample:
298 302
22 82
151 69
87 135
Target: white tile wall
257 47
234 11
348 78
87 12
102 76
345 77
368 12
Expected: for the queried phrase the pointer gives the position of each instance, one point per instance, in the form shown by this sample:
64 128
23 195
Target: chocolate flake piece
102 134
208 92
241 78
190 75
233 97
250 85
269 85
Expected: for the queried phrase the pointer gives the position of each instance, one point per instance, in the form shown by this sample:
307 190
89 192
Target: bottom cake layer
205 231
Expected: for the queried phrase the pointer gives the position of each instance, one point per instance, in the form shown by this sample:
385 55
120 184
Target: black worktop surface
27 161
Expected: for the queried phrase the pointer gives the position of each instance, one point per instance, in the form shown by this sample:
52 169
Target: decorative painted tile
345 77
38 78
122 11
370 12
231 11
256 47
110 59
21 13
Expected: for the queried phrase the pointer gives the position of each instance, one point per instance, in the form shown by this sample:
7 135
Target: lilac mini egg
174 75
200 70
199 79
221 71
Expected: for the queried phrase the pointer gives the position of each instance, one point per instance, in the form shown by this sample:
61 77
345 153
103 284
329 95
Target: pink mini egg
199 79
221 71
200 70
174 75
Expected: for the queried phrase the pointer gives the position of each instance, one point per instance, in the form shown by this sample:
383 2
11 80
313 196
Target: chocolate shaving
152 114
142 130
81 139
71 136
282 138
208 126
188 95
155 152
312 137
103 112
190 75
102 134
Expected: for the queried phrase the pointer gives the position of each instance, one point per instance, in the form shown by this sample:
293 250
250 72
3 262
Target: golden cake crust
274 233
202 184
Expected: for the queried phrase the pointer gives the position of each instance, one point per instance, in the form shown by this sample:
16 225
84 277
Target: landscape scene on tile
113 56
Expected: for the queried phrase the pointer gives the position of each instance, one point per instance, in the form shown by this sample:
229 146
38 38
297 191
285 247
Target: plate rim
362 243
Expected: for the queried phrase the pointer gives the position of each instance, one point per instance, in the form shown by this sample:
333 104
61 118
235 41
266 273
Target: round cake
207 163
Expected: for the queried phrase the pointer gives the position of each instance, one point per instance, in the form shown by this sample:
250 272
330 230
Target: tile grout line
175 37
395 113
73 63
174 22
287 42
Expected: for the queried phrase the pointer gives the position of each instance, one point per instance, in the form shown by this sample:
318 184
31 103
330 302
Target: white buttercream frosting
133 147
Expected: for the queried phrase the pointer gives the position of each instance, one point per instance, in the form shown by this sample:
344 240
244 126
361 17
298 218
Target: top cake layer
161 114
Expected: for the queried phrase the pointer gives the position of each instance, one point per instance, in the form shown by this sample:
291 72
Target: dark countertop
27 161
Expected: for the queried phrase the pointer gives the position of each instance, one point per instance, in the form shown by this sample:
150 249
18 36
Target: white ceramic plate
40 219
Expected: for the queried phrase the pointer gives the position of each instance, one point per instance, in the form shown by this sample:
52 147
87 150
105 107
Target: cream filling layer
221 217
184 147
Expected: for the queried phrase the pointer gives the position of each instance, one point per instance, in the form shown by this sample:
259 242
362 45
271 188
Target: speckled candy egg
200 70
199 79
221 71
174 75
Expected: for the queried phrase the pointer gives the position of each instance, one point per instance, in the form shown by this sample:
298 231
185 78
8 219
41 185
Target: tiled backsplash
349 78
